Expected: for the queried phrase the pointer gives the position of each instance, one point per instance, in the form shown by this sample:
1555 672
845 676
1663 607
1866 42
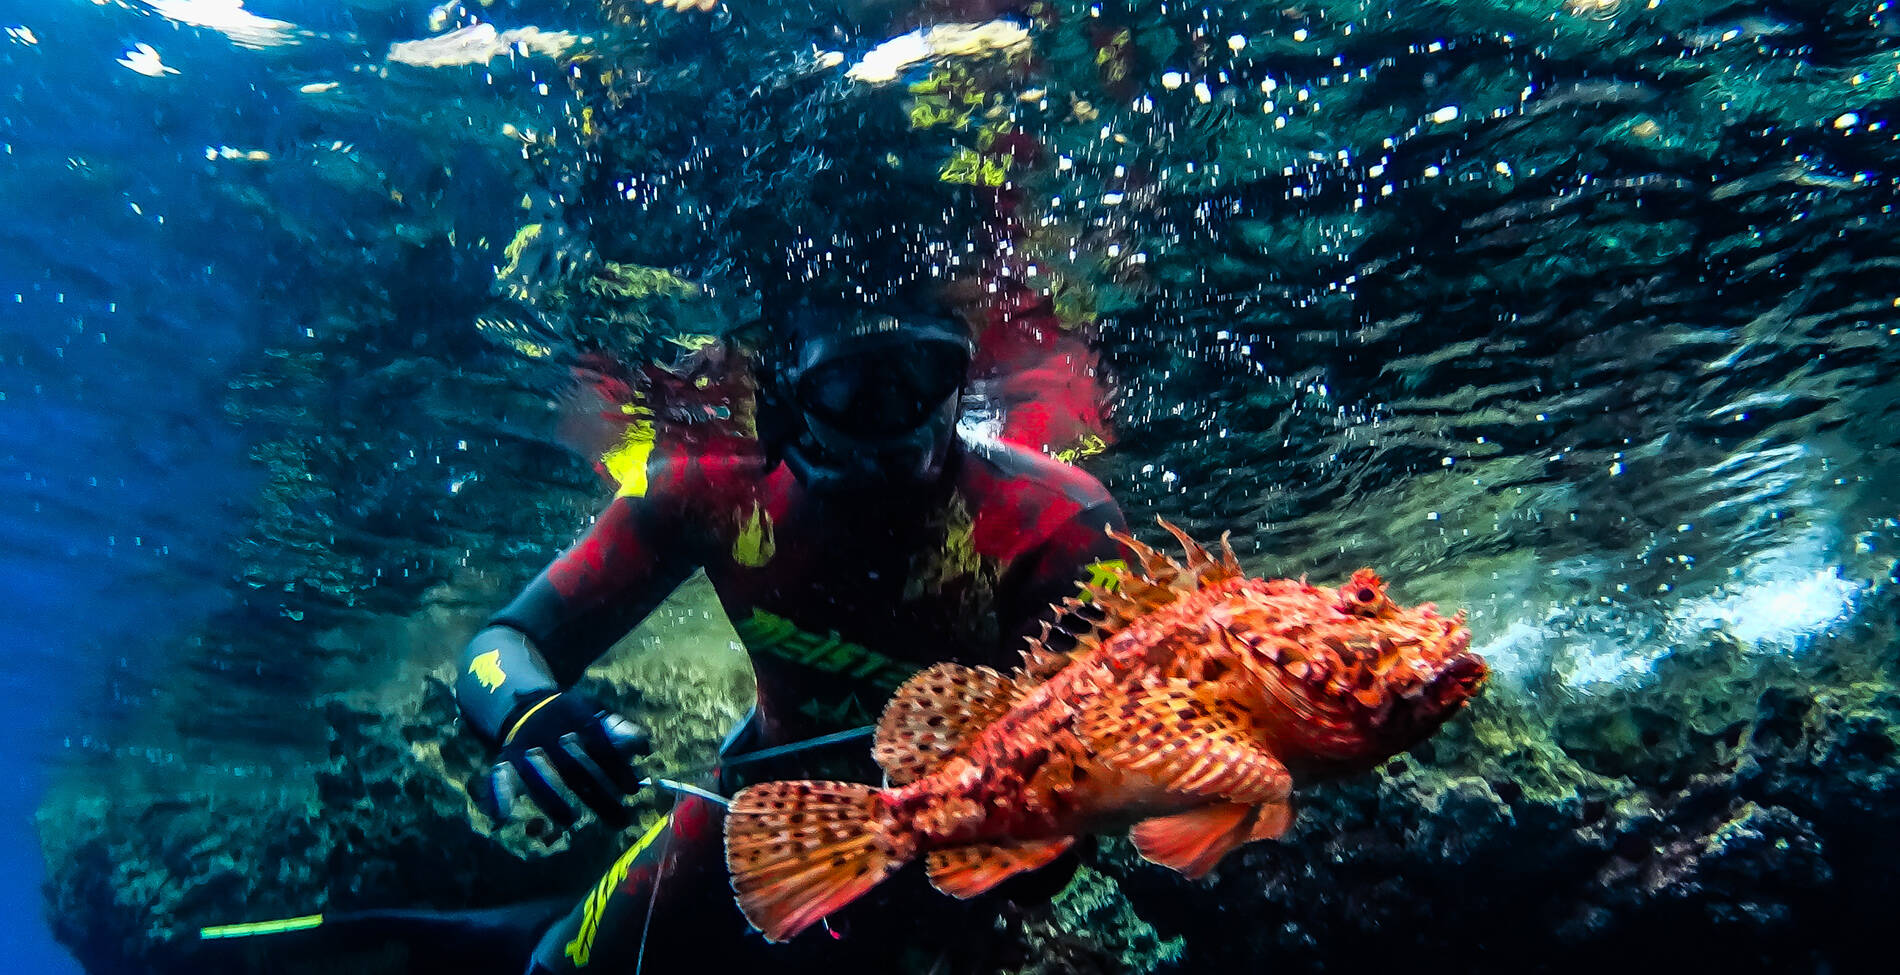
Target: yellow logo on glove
487 669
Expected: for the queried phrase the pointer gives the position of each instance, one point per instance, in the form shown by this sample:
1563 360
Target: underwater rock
1749 843
1734 809
1090 928
386 821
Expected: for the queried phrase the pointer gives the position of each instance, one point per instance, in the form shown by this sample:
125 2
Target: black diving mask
878 400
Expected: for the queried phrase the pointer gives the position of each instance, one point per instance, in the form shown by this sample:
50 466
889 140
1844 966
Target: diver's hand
565 748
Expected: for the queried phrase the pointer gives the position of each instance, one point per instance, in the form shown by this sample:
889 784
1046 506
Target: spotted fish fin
934 714
1156 580
1188 739
966 871
1194 841
798 851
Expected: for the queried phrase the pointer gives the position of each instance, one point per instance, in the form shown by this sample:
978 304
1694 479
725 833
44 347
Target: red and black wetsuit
839 599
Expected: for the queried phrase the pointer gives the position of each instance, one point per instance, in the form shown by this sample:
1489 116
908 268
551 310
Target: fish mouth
1460 677
1455 674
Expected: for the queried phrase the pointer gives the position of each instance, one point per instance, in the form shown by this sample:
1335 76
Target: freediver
859 538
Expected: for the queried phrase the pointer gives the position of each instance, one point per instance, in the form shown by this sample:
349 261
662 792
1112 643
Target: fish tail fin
801 850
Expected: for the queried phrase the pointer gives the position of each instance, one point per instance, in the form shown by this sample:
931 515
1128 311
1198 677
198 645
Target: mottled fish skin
1188 712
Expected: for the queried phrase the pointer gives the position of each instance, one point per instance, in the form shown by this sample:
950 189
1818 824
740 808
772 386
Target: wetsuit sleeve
637 552
632 558
1067 558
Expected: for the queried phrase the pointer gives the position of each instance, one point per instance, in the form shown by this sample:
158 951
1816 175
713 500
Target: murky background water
1577 313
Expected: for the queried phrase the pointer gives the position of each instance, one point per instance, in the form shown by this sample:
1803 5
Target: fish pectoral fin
934 714
1185 738
801 850
1194 841
966 871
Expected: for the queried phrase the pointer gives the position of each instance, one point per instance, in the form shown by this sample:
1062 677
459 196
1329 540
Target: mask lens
883 392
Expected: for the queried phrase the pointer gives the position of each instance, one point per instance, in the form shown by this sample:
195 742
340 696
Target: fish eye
1367 595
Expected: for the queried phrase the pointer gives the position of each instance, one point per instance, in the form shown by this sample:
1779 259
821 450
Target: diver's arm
589 597
556 746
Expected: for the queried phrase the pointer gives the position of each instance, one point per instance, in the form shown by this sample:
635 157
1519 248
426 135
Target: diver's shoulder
1034 475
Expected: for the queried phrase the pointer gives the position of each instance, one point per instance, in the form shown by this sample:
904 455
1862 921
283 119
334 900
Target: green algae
1091 920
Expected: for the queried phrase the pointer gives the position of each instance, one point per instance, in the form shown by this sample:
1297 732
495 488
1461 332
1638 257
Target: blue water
127 294
139 277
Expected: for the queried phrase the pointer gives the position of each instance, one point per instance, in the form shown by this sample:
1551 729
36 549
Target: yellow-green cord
260 927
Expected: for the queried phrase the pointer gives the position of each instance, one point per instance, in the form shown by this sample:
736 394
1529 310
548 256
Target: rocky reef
1730 813
1734 809
384 820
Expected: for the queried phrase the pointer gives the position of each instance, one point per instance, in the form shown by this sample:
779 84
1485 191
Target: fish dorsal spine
938 712
1125 594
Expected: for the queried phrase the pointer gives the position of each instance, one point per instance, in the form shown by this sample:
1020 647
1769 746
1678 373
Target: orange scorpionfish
1188 711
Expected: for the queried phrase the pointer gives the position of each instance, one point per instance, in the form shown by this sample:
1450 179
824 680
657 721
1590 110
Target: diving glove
563 748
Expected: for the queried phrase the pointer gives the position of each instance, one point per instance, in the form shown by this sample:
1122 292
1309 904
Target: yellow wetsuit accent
626 462
581 949
754 545
1105 574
